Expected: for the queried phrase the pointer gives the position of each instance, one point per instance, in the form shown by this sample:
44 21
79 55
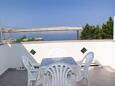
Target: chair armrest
35 66
79 63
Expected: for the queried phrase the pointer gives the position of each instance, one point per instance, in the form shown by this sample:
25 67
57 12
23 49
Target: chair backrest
88 60
27 63
58 75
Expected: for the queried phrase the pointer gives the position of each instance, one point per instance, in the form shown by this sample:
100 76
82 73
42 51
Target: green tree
87 32
107 29
97 32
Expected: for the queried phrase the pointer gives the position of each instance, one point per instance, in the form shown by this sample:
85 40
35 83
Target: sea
47 36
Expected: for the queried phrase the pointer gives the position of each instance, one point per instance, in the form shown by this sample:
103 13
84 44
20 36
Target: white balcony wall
3 59
10 54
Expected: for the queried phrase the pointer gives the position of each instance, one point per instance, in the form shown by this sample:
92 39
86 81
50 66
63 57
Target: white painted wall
10 54
114 29
3 61
104 50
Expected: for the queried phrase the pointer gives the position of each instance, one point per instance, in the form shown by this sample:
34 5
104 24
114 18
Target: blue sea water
53 35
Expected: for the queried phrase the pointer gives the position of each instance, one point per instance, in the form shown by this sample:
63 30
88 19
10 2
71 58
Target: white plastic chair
31 70
58 75
85 64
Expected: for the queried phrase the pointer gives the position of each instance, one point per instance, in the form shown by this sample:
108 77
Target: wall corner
114 28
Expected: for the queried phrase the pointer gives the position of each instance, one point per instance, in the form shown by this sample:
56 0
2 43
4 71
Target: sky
54 13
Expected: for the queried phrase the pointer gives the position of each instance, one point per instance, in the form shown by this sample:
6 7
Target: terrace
11 73
98 77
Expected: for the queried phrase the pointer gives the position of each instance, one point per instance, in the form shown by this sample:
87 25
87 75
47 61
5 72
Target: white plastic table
48 63
67 60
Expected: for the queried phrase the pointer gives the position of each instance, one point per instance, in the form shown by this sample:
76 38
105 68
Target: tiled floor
101 77
14 78
98 77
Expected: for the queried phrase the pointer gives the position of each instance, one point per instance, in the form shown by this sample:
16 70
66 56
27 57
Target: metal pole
77 33
0 36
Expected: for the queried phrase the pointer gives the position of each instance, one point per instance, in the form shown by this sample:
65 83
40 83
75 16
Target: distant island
25 39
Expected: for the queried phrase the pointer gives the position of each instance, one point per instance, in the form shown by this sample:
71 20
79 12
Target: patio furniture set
63 71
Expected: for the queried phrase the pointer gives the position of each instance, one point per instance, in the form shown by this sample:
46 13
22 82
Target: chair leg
87 81
29 83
